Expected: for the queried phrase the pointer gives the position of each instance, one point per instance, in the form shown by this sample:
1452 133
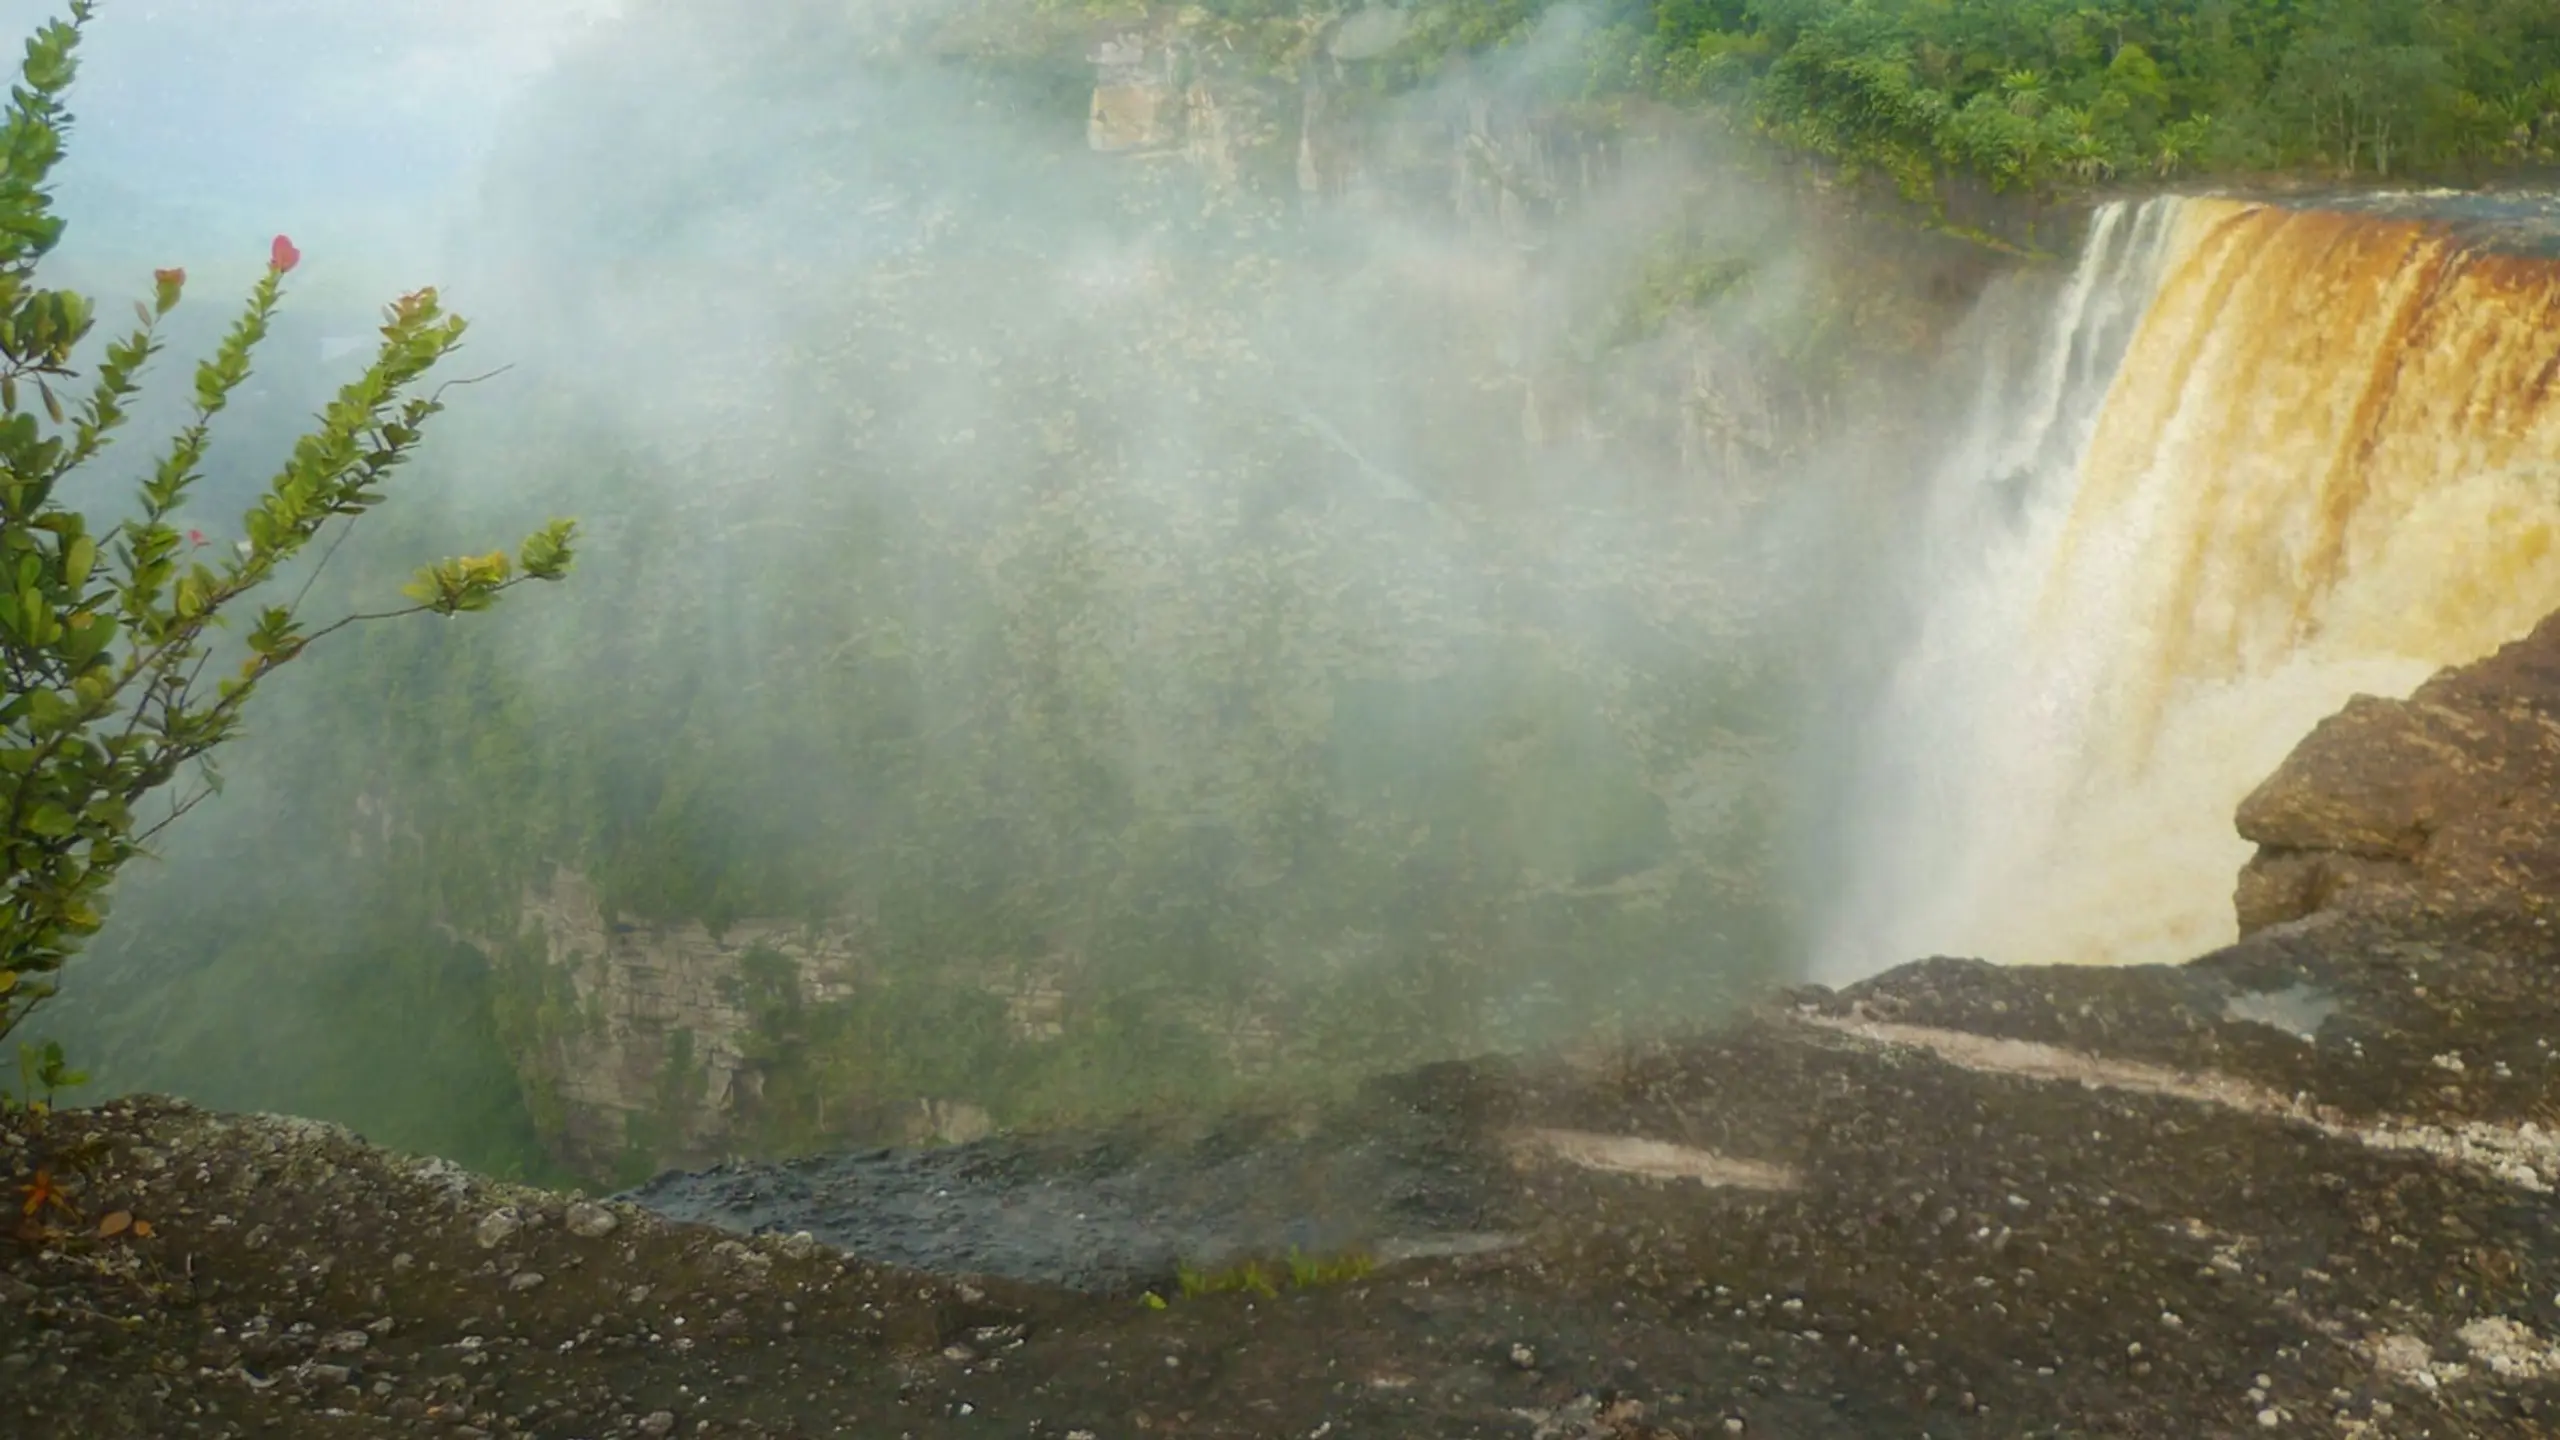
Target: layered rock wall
654 1053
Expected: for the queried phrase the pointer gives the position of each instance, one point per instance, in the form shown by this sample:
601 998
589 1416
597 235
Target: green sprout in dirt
42 1070
1311 1272
1265 1278
116 685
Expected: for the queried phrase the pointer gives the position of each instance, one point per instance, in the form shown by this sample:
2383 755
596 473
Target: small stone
498 1227
525 1280
1733 1424
330 1375
1523 1358
2270 1418
748 1261
590 1221
658 1422
347 1341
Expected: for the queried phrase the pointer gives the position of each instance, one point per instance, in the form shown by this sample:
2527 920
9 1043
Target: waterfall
2261 460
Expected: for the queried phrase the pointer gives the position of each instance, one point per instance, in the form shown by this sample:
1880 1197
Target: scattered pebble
497 1228
590 1221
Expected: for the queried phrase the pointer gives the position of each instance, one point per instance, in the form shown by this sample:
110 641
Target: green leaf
47 709
51 821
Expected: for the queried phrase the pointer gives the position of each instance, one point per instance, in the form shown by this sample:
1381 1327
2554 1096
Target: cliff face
658 1039
2448 801
654 1053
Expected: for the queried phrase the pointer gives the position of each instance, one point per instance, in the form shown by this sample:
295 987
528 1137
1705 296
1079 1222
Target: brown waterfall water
2326 460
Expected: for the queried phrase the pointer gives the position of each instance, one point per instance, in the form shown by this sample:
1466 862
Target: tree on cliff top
122 680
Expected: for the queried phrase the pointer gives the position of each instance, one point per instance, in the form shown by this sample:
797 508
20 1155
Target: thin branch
176 809
231 703
436 397
294 606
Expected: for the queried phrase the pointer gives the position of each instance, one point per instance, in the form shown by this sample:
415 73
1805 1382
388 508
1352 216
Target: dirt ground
2302 1187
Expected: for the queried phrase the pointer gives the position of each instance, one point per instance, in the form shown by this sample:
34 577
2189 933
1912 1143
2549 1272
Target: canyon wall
1556 278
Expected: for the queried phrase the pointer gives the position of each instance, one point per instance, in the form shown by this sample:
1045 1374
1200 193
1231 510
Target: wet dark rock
1121 1211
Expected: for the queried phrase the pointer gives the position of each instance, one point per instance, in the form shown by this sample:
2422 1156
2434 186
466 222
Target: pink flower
283 257
195 537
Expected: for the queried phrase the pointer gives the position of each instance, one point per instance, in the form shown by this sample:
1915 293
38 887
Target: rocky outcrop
653 1046
650 1048
2447 801
1136 104
1177 90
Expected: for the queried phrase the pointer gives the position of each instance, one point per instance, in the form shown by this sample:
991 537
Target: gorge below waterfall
1134 566
1559 719
2260 457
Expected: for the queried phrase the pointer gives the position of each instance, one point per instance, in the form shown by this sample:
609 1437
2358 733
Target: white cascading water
2262 460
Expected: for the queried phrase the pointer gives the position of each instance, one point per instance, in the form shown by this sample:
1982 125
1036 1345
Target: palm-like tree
2024 91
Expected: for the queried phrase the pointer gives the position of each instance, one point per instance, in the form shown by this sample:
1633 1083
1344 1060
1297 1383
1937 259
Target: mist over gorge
1132 562
1073 620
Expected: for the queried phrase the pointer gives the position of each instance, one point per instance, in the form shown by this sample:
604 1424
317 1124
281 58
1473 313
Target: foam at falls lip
2328 463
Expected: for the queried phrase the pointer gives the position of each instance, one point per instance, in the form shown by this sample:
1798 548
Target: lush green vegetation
2027 93
2041 92
121 683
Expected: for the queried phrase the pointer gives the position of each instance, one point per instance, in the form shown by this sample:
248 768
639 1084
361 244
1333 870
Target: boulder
2448 801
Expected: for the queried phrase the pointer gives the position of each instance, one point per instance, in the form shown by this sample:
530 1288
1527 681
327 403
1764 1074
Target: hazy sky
319 116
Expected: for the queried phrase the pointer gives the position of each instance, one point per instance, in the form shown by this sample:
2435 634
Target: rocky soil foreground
2301 1186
